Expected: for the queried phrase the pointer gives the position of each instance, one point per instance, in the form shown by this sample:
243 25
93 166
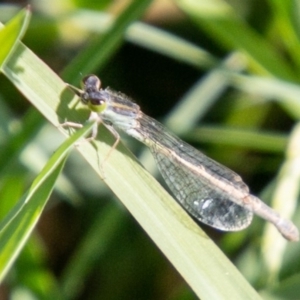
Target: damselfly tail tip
289 231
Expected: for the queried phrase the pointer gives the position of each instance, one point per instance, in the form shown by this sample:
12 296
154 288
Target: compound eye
91 83
96 103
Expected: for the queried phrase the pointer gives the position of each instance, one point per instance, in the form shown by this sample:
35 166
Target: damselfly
210 192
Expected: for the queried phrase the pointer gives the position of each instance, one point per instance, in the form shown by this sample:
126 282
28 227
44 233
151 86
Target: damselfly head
91 83
92 95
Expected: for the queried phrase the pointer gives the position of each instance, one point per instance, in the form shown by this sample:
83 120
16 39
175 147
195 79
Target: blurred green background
223 75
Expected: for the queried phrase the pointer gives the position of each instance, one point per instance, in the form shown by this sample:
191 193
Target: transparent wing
207 203
202 201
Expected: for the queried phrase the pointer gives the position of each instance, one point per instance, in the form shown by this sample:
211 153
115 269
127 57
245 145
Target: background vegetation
222 75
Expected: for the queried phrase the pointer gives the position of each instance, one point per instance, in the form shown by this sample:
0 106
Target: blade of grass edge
17 226
13 31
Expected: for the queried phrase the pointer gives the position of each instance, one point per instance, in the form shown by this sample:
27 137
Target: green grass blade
284 92
286 20
218 18
91 58
253 139
13 31
20 222
149 37
203 95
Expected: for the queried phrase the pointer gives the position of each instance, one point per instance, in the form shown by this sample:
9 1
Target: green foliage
239 76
